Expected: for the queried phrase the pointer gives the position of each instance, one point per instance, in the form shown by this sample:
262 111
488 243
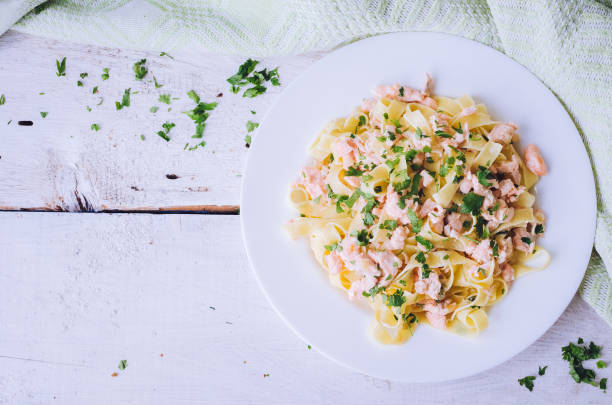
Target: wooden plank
59 163
80 292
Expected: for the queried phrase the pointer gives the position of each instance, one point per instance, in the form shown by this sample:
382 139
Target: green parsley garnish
122 364
157 85
83 75
61 67
362 236
482 174
527 382
95 127
424 242
165 98
415 221
443 134
125 100
2 99
248 140
539 228
79 83
575 354
250 125
246 75
167 126
199 114
373 291
472 203
94 90
353 171
388 224
154 109
601 364
105 75
333 246
140 70
542 370
526 240
43 114
396 299
165 54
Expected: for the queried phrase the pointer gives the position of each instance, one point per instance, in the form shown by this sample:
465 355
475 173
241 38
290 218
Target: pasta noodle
422 207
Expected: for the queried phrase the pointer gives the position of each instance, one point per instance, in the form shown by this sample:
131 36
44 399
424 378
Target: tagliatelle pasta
421 206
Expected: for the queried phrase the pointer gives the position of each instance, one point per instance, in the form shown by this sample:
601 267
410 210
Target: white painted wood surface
79 292
59 158
134 286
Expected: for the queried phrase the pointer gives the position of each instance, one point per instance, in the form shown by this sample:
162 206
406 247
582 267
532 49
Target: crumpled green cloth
566 43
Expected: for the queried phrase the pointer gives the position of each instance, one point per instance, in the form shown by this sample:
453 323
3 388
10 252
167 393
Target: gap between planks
188 209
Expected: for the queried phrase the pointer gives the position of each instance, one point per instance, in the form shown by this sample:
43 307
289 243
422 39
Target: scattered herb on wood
140 70
125 100
61 67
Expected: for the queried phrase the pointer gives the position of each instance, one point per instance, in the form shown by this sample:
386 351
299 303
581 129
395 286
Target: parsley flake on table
43 114
247 75
250 125
199 114
157 85
527 382
79 83
140 70
542 370
83 75
94 90
2 99
61 67
125 100
164 98
601 364
165 54
95 127
122 364
105 75
575 354
167 126
154 109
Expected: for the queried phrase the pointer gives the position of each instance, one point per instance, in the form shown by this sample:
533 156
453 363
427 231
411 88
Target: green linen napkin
566 43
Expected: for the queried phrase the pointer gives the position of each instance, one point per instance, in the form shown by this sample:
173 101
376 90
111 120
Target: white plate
300 291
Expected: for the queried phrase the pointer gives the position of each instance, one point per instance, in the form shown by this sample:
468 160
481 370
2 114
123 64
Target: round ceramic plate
299 289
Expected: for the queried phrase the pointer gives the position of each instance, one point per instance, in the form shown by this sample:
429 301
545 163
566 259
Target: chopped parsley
165 54
363 237
575 354
157 85
247 75
424 242
105 75
482 174
542 370
472 203
401 92
43 114
539 228
482 230
443 134
396 299
447 166
140 70
79 83
199 114
250 125
373 291
125 100
526 240
2 99
95 127
353 171
333 246
154 109
420 257
122 364
61 67
165 98
527 382
388 224
94 90
415 221
601 364
167 126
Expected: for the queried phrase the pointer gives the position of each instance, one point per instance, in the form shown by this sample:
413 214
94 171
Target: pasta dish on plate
423 207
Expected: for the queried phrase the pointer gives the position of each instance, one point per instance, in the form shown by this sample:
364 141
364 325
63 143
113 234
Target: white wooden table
120 260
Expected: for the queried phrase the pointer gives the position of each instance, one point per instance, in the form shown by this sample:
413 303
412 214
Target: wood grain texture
80 292
60 164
